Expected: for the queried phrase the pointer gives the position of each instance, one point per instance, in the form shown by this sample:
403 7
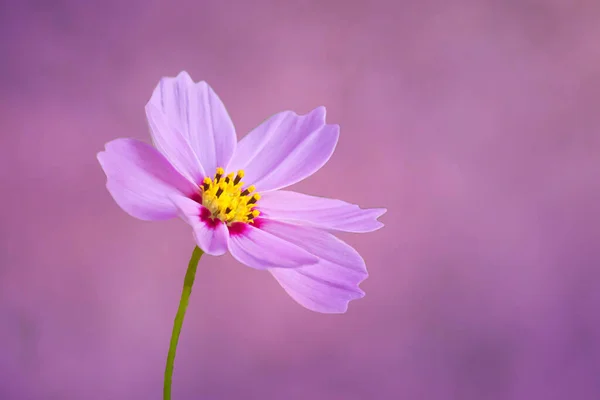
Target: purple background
476 123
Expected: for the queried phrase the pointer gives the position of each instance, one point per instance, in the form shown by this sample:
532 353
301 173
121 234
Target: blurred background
476 123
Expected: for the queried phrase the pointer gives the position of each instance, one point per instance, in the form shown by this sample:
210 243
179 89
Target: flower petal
285 149
329 285
173 145
140 179
211 236
258 249
320 212
198 113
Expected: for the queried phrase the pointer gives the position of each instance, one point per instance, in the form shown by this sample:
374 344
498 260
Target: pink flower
229 191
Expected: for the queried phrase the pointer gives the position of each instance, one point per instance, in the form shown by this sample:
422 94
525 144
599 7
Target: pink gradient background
476 123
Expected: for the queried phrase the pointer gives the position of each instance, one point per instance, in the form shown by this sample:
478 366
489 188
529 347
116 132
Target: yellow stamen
254 199
248 190
229 178
226 200
219 174
206 183
239 177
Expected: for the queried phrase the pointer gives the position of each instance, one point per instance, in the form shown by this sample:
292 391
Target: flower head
229 191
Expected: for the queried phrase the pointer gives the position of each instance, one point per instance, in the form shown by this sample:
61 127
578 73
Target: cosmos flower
229 192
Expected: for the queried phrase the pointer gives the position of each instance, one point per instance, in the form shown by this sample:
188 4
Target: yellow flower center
226 200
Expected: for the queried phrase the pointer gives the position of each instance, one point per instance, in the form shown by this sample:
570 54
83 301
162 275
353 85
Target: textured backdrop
476 123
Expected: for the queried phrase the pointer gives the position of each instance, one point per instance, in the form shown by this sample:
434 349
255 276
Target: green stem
188 281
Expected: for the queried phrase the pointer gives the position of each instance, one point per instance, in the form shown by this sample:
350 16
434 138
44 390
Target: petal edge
329 285
211 236
197 111
140 179
258 249
320 212
285 149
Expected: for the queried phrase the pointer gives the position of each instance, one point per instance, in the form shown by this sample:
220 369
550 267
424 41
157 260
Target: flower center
226 200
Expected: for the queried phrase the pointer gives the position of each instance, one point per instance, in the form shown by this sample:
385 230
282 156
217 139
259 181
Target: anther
206 183
253 214
219 191
228 178
254 199
248 190
238 177
220 172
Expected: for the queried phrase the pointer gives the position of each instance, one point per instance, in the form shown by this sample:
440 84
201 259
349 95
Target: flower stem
188 281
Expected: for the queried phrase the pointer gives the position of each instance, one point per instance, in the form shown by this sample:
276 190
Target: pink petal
329 285
259 249
173 145
140 179
196 111
285 149
320 212
211 236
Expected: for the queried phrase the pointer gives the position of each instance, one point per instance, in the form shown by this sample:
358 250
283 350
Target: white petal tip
380 212
321 110
184 75
215 252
